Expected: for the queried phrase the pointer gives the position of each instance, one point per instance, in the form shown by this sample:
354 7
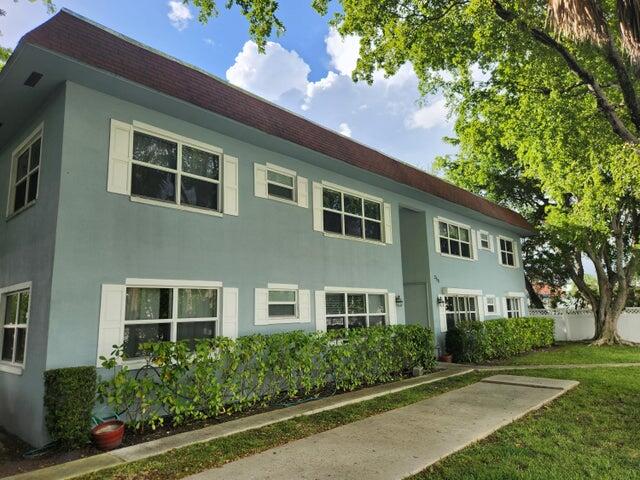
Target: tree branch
624 80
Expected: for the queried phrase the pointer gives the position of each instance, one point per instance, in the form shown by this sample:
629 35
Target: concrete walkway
498 368
401 442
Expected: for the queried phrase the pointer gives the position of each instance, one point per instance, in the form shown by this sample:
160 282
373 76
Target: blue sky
307 70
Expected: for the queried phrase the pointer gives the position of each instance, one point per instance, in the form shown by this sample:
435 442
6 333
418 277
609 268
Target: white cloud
209 41
270 75
344 129
179 14
385 115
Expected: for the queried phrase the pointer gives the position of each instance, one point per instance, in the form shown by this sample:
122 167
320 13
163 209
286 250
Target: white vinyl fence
572 325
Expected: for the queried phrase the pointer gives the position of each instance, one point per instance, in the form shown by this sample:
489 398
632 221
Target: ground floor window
514 307
169 314
15 318
460 307
355 310
283 304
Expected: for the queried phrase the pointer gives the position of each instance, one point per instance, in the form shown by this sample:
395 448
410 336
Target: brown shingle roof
75 37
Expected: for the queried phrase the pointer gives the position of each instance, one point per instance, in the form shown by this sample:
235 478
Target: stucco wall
26 255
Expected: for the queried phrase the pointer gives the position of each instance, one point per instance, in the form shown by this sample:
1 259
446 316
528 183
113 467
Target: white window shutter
112 306
262 306
317 207
436 229
388 230
260 180
120 147
474 245
504 307
230 185
496 303
391 306
304 306
481 307
516 255
230 312
491 244
303 192
321 311
442 312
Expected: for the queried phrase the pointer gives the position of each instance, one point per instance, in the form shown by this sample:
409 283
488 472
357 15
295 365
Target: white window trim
516 252
516 294
366 292
489 238
495 305
472 240
284 319
9 367
355 290
461 291
33 136
155 282
145 128
364 196
289 173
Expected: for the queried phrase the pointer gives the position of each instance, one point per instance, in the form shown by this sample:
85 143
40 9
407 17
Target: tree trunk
534 298
607 328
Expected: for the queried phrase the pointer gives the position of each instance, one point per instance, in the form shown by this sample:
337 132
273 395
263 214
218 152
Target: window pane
282 295
287 310
35 155
280 178
148 303
357 322
444 232
22 166
193 331
377 304
372 230
465 251
154 150
372 209
7 344
464 235
444 245
356 303
508 246
472 303
353 226
454 232
503 256
335 323
21 194
21 343
152 183
332 222
197 303
24 308
502 244
134 335
33 186
335 303
280 192
449 304
10 310
377 320
451 321
353 204
455 248
199 193
200 163
331 199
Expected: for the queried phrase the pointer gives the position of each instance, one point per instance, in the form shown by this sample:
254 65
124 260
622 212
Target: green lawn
576 353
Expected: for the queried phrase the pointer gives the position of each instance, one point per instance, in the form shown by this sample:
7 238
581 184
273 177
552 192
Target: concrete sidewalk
402 442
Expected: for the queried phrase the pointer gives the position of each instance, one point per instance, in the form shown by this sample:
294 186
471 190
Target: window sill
508 266
158 203
18 212
355 239
447 255
12 369
282 321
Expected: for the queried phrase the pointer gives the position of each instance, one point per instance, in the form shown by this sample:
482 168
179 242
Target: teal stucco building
146 199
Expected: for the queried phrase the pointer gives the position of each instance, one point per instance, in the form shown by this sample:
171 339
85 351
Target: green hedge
69 397
477 342
224 376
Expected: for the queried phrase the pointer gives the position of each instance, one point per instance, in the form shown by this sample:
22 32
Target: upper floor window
176 172
460 307
514 307
169 314
350 215
15 318
485 240
281 185
454 239
507 254
355 310
25 173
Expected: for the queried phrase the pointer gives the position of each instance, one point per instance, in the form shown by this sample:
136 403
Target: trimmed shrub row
225 376
477 342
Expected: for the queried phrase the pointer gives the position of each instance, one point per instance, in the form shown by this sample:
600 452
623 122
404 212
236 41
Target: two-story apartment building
145 199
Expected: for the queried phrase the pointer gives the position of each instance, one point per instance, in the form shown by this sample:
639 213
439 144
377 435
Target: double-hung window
15 318
355 310
174 171
282 304
281 185
25 174
490 305
514 307
352 216
460 307
507 252
454 239
169 314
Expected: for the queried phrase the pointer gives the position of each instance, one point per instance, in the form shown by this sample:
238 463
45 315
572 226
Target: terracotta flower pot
447 358
108 435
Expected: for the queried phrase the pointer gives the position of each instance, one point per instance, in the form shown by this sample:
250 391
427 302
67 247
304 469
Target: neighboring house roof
546 290
70 35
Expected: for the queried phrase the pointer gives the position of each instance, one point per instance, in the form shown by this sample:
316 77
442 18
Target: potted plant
446 358
108 435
